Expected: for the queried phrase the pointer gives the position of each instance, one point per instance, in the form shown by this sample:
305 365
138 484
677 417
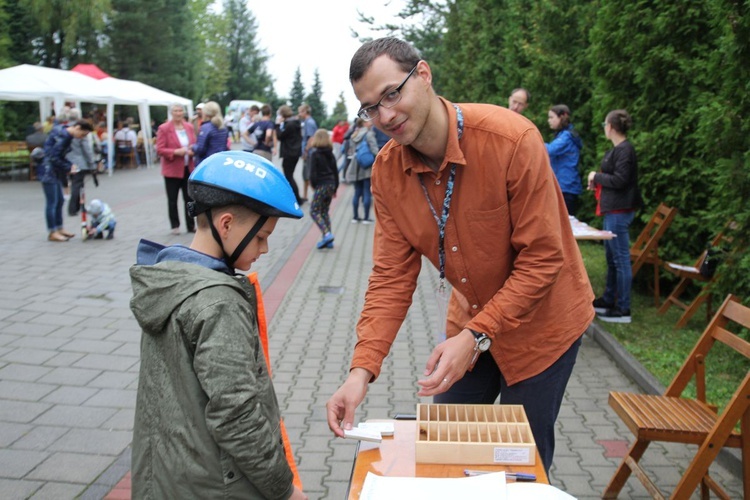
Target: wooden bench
678 418
14 156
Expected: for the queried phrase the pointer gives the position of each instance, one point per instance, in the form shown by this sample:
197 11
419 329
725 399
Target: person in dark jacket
53 168
289 134
618 196
207 421
564 152
213 136
324 179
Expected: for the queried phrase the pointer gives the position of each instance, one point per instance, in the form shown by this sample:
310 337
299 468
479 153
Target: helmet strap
230 260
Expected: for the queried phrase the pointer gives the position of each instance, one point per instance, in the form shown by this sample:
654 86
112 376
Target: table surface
395 456
582 231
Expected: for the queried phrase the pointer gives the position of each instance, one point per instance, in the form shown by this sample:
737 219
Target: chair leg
622 473
692 308
674 297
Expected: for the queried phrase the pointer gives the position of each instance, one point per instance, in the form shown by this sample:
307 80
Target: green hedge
682 70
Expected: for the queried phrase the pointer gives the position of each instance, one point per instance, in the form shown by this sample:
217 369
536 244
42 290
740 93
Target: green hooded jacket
207 422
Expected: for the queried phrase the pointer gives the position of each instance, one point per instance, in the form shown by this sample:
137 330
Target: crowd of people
473 188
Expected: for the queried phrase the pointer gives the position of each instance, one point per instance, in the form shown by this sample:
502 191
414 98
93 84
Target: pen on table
518 476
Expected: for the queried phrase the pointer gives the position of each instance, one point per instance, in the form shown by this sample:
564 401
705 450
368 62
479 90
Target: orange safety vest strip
263 331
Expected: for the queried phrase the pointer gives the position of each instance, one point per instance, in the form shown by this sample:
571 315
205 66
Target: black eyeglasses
387 101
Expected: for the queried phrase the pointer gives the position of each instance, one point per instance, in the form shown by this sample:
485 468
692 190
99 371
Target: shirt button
463 280
437 182
230 475
455 249
474 306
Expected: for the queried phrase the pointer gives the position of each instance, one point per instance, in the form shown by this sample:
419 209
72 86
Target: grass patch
652 339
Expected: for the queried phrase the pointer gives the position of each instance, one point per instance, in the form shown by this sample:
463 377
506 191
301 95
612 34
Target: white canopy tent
51 86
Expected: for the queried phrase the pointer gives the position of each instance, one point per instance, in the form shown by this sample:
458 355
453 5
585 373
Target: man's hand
448 363
340 408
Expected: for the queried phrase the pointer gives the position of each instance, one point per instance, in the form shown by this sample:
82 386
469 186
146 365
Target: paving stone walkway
69 352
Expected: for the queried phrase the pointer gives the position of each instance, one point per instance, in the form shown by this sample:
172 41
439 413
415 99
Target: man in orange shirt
470 187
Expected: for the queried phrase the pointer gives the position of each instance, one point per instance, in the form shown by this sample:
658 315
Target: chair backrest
731 314
724 237
646 246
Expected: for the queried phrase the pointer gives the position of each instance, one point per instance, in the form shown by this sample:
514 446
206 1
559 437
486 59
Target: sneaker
615 315
600 306
175 231
355 220
329 244
366 221
323 243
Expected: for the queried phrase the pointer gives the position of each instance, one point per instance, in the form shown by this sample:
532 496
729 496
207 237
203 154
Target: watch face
484 344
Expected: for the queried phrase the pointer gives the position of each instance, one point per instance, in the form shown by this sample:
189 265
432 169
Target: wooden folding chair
125 151
690 274
677 419
645 249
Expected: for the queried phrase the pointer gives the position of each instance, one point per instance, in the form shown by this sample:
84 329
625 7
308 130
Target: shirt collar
411 160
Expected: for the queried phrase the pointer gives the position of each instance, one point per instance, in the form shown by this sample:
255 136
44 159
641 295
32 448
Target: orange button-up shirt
515 267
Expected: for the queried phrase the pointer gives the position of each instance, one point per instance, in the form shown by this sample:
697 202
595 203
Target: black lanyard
443 219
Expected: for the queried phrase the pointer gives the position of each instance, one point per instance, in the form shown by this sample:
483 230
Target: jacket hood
575 137
164 277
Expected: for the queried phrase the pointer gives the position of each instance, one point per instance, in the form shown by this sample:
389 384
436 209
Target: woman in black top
618 197
289 134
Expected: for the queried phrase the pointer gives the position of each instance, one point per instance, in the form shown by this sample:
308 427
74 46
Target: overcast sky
316 34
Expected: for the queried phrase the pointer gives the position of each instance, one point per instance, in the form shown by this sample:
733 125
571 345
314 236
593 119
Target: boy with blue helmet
207 422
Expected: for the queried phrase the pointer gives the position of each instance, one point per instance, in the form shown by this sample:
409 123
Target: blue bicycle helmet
240 178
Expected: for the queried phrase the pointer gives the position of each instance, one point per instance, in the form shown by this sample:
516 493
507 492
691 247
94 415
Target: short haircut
240 212
265 110
521 89
84 125
286 111
403 53
304 108
255 108
321 139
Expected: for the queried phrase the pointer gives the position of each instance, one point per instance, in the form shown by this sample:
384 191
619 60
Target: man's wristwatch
483 343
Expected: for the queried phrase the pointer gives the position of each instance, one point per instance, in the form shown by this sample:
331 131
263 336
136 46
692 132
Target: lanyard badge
442 294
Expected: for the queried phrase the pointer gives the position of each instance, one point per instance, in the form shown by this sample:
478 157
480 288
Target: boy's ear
223 223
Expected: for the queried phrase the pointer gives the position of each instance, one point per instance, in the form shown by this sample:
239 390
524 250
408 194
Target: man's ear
424 71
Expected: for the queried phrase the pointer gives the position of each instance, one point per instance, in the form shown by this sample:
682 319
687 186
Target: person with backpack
359 172
264 134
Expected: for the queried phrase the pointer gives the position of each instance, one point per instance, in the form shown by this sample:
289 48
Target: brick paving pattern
69 351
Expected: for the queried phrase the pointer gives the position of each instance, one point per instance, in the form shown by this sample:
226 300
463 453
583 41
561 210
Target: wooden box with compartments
474 434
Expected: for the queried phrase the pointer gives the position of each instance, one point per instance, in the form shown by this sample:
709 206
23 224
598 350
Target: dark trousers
541 395
571 203
174 186
76 185
289 164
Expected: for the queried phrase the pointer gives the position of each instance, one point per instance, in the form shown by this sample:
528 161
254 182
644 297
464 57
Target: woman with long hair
173 145
564 152
213 136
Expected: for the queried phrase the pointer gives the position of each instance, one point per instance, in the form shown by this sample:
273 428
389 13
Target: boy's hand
298 495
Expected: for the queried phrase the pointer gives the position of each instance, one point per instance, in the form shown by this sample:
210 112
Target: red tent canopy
91 70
